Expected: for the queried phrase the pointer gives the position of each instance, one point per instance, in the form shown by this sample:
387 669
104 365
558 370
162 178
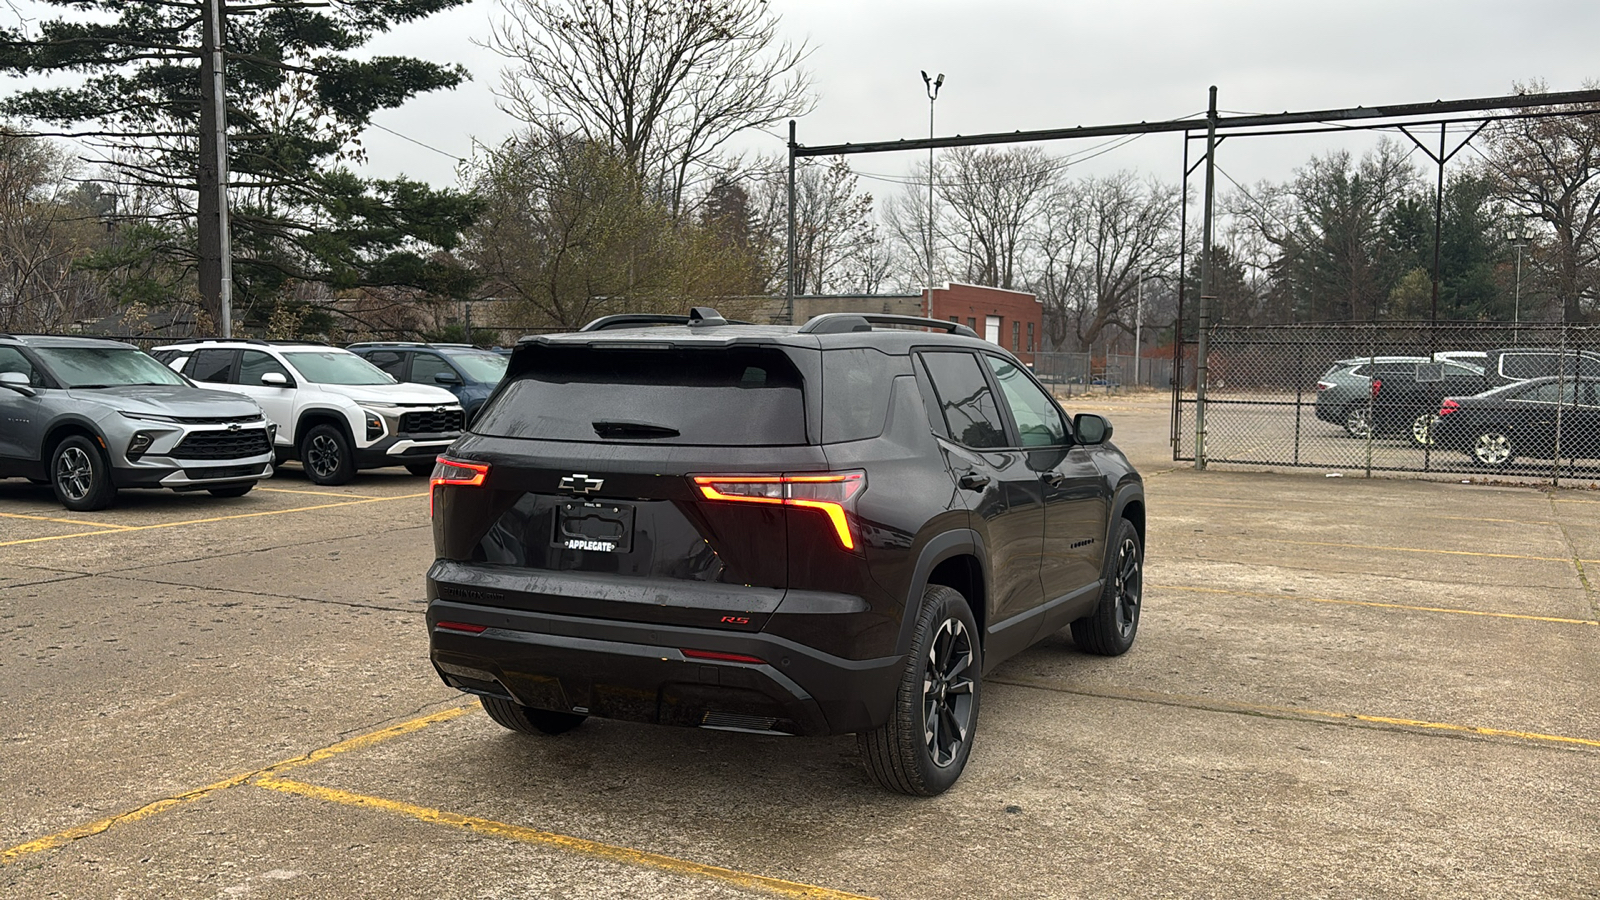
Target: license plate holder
594 526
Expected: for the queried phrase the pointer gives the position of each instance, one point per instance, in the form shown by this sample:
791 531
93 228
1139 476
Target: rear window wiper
608 429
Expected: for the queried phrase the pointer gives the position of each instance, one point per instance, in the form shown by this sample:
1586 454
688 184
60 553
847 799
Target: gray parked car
89 416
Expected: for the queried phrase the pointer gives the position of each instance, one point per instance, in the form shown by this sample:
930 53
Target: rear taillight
455 473
1377 385
1324 385
833 493
1448 406
463 627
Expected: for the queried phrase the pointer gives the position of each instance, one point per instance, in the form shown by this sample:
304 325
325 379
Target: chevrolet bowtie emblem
579 483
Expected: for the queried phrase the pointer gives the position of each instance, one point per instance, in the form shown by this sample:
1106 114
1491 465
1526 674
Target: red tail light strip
833 493
1448 406
465 627
457 473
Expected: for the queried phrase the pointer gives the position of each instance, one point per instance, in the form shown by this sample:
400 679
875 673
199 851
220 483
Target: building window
972 322
956 319
1016 336
1030 337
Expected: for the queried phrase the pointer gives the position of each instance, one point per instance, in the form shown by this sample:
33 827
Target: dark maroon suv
826 529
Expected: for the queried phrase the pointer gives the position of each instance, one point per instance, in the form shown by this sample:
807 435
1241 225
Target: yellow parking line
317 492
271 512
62 521
661 862
1420 550
60 838
1290 712
1374 603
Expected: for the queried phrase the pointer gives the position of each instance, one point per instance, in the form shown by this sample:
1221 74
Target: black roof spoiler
698 317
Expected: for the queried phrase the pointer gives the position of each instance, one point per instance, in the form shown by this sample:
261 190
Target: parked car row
1494 405
91 416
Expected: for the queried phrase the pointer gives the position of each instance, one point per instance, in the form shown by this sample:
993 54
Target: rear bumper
638 672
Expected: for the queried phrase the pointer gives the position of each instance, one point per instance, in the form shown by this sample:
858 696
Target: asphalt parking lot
1343 687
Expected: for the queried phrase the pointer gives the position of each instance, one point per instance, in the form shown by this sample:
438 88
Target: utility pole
216 251
1138 328
933 85
789 282
1201 373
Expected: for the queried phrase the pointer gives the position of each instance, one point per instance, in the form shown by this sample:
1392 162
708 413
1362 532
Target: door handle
972 481
1054 479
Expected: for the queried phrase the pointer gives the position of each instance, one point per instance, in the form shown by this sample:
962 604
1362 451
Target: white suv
335 411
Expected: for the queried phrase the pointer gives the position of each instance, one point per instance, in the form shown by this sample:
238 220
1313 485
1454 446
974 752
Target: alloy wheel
1130 587
323 455
1421 429
1492 448
75 473
947 692
1358 422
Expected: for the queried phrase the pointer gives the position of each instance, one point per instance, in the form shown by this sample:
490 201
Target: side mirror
447 378
1091 429
18 382
276 379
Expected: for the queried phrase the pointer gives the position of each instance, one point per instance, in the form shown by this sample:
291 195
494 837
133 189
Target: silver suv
91 416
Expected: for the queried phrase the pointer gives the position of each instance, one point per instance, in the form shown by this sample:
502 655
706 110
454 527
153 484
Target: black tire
81 475
326 456
420 469
237 490
1110 630
1493 448
527 720
942 682
1358 421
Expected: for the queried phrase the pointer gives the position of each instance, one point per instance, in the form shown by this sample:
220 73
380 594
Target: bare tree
664 83
1549 169
47 221
994 197
1123 227
838 246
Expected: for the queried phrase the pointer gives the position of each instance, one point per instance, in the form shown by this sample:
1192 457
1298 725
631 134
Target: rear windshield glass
735 398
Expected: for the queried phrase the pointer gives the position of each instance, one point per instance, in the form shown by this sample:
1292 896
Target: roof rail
842 322
700 316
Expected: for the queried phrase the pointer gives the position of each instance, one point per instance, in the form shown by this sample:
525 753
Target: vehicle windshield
335 367
95 367
481 365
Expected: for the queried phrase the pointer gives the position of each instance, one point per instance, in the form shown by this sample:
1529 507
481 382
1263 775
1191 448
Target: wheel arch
953 559
61 430
311 418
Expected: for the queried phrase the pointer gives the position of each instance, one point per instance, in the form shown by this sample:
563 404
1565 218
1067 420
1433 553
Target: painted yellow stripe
371 738
628 855
1374 603
62 521
255 515
1561 559
60 838
260 490
1291 712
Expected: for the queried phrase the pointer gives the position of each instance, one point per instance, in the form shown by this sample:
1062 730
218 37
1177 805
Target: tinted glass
391 361
965 399
12 360
481 365
732 398
1551 391
215 366
103 367
335 367
1038 419
856 385
253 364
424 366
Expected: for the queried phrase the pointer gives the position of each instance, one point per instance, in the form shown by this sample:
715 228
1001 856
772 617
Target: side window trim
1001 410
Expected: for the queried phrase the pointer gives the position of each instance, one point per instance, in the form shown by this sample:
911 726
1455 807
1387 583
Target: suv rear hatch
590 505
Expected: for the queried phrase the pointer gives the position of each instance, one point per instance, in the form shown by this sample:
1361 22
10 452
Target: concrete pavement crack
1577 562
228 590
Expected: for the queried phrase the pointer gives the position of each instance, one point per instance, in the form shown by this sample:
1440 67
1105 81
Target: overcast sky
1028 64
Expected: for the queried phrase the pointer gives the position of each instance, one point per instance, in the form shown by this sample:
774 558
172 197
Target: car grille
431 422
223 444
221 472
216 420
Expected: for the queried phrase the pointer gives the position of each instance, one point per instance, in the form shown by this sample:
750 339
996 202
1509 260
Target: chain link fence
1513 399
1085 373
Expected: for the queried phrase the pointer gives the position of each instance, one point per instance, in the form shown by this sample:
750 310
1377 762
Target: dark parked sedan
1496 427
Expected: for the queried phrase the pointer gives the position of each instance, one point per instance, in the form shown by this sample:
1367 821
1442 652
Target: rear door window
254 364
214 366
391 361
967 403
741 397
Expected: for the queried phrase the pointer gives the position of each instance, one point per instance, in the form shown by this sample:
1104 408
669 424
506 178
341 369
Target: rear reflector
723 657
833 494
1448 406
465 627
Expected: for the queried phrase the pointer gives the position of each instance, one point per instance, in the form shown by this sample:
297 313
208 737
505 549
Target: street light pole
932 85
1519 240
1138 328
